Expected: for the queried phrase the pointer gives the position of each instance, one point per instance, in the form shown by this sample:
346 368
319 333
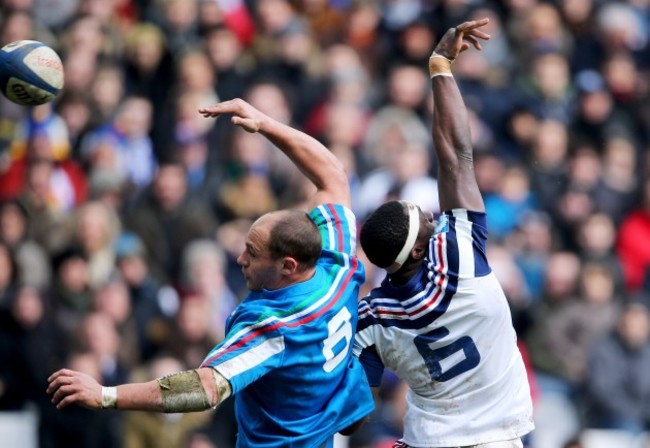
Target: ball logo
18 92
12 46
51 63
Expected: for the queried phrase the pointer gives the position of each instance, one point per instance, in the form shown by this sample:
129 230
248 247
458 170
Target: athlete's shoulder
459 215
338 227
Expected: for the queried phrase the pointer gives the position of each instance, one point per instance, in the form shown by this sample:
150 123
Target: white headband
414 228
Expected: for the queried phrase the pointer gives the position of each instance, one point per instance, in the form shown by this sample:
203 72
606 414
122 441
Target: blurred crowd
122 210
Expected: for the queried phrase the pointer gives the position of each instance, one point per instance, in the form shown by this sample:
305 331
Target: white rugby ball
31 73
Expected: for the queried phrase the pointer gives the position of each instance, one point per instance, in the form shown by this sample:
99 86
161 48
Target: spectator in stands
95 228
166 219
203 272
123 146
71 291
30 346
544 343
618 385
633 243
112 299
596 238
32 261
42 136
8 277
508 206
153 303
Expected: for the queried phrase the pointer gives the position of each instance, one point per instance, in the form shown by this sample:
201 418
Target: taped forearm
184 391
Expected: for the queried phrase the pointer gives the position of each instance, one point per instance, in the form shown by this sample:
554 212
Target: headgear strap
414 227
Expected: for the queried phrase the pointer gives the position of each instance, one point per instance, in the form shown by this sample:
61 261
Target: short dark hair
295 234
384 233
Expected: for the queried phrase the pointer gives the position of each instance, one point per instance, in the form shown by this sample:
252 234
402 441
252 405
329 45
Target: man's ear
289 266
419 251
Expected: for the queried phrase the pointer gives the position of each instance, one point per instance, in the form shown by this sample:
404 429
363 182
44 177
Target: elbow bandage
184 392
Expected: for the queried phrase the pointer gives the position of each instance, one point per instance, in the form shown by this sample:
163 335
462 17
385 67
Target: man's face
427 224
260 270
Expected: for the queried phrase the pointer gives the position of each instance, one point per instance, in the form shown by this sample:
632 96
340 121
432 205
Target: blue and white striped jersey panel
288 352
448 334
457 248
338 227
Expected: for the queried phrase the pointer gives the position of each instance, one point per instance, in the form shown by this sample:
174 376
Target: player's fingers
473 41
472 24
247 124
62 392
65 402
59 373
478 34
224 107
58 382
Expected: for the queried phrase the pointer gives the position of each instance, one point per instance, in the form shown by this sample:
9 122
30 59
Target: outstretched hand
244 115
458 39
69 386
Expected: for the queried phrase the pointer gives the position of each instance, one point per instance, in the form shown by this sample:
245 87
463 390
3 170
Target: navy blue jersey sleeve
372 365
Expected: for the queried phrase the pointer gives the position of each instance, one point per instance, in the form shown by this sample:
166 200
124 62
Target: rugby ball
31 73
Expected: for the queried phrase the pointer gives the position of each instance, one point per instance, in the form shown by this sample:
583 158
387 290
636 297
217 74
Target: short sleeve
247 354
337 226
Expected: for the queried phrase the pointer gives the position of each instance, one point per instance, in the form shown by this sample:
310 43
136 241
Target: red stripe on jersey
440 267
297 323
441 281
339 229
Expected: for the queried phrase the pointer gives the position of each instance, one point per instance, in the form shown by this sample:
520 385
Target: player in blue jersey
287 355
440 319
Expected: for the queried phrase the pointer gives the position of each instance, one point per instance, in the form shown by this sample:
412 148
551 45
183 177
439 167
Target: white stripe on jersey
330 228
415 307
251 358
319 303
352 229
465 248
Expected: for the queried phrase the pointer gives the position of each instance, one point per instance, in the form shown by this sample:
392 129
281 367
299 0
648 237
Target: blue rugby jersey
288 353
448 334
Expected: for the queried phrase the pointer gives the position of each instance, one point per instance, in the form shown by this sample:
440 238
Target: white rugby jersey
448 334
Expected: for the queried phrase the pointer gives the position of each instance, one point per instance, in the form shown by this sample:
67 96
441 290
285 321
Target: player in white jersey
440 319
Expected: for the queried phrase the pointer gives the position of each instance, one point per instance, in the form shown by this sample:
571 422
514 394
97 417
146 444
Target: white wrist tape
109 397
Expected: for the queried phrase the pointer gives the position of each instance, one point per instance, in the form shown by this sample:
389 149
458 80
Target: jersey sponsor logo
443 225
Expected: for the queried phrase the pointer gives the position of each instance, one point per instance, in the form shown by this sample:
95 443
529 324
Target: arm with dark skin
456 178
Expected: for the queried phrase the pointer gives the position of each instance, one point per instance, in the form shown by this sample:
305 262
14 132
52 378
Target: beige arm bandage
439 65
184 392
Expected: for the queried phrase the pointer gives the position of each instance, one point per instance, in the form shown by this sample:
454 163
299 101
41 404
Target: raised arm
456 179
315 161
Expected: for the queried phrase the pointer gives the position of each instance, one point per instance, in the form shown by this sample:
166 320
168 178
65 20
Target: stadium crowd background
123 210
